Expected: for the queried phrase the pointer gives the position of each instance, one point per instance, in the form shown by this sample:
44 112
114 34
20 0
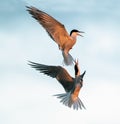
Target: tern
57 32
72 86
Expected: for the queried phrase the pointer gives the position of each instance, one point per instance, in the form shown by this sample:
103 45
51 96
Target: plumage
57 32
71 85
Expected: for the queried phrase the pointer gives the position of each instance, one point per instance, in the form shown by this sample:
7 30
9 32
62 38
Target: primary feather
71 85
57 32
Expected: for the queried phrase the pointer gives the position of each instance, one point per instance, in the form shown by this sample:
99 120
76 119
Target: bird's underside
70 98
65 42
57 32
55 29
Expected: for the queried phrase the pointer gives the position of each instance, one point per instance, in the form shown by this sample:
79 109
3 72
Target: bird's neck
74 37
75 92
77 71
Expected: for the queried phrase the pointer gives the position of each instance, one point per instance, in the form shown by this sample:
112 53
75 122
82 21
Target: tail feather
66 99
75 106
68 59
81 103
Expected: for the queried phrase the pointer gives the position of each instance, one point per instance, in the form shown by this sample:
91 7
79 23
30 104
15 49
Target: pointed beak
83 74
76 61
79 33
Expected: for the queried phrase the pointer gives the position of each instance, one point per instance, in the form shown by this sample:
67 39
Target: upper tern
57 32
71 85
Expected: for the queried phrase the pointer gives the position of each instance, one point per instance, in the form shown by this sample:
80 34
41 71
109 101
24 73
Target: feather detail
68 59
67 100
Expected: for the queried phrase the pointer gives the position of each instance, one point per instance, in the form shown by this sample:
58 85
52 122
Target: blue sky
26 95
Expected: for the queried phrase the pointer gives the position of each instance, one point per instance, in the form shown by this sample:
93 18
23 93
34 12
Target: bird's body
71 85
57 32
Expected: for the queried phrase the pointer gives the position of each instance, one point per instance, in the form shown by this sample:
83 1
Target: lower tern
57 32
72 86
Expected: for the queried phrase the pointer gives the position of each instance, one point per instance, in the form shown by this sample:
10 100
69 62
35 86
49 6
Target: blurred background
26 96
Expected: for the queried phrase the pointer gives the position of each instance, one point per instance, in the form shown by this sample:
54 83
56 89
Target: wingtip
32 64
29 8
29 62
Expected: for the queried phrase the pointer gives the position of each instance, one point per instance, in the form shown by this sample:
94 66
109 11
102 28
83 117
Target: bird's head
75 32
80 78
76 68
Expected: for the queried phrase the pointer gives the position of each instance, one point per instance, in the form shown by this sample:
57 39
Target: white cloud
102 39
29 99
26 95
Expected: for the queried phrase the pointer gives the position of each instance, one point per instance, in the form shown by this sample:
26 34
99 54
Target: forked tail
67 100
68 59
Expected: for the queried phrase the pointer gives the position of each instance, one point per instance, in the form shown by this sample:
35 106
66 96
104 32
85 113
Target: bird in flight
72 86
57 32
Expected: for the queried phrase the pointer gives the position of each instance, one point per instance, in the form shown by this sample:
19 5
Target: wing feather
55 29
55 72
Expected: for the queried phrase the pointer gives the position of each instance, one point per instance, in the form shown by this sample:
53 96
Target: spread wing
55 29
55 72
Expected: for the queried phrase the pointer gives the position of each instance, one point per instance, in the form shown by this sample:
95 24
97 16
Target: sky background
26 96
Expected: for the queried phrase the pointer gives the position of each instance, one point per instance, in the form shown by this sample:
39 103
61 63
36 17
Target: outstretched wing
56 72
55 29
